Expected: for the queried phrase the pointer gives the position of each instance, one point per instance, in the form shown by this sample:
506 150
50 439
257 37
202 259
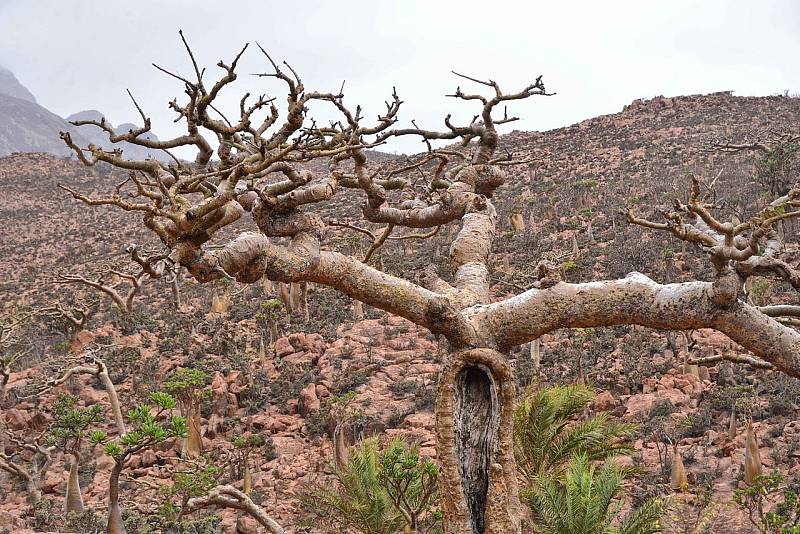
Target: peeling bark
187 206
639 300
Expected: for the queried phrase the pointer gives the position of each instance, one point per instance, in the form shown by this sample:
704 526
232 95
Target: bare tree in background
120 282
260 174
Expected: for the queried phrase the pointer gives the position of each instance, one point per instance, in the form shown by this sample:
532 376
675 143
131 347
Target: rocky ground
569 203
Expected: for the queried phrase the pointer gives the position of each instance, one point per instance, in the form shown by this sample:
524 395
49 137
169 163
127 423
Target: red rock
604 402
246 525
419 420
283 347
55 481
287 445
89 395
18 419
148 458
219 387
308 402
83 339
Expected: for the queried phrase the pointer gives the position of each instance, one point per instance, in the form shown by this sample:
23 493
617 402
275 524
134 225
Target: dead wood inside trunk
476 415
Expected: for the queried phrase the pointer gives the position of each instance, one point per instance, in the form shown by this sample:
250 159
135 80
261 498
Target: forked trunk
478 483
115 524
74 500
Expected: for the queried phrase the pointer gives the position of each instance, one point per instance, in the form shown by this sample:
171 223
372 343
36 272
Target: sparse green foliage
771 491
147 428
568 265
586 183
70 423
196 481
409 481
187 383
380 492
778 167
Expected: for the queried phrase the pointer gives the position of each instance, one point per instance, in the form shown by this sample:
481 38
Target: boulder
604 402
308 402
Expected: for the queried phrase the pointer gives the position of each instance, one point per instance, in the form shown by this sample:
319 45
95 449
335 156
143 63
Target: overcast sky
598 56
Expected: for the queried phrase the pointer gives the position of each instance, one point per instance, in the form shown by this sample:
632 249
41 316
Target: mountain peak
9 85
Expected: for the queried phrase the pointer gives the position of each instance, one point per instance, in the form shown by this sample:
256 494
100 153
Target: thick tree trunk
478 483
193 444
536 356
273 330
73 501
358 310
247 480
340 454
34 492
176 292
113 399
115 523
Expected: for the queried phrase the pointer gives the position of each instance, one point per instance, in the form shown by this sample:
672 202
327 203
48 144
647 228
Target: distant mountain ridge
9 85
27 126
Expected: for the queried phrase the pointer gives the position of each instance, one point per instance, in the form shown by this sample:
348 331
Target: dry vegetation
357 295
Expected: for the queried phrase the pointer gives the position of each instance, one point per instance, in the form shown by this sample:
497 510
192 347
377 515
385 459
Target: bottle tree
188 386
68 432
149 425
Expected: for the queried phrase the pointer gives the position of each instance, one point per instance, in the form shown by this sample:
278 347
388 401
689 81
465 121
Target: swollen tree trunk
247 481
113 399
752 456
358 310
176 292
73 501
304 301
340 454
478 483
536 355
115 524
193 444
273 330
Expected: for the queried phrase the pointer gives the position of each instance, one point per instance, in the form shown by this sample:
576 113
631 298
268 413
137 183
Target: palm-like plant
548 432
588 500
380 492
358 500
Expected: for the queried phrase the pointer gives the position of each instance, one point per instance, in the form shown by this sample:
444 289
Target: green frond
548 431
587 499
646 519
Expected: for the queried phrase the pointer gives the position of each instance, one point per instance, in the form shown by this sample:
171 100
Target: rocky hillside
569 199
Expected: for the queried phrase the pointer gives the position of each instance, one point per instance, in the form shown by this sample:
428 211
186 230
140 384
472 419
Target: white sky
598 56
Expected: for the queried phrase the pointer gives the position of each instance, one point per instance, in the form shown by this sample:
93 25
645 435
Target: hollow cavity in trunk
476 419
